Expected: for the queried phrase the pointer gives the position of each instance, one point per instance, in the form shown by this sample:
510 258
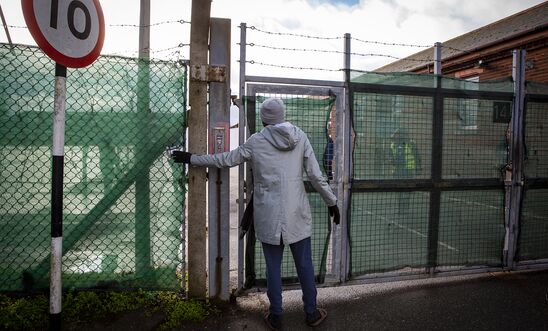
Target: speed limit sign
71 32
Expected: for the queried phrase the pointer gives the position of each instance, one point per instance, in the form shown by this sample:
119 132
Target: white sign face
71 32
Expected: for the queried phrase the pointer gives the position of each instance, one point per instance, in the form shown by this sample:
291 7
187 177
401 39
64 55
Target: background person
406 162
278 155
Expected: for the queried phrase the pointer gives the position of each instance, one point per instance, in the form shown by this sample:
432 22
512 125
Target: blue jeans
302 254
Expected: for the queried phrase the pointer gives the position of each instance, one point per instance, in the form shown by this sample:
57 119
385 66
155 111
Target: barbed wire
289 67
294 49
375 42
181 45
339 52
152 51
181 21
293 34
384 43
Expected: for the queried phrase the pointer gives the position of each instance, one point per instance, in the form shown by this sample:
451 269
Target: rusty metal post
197 143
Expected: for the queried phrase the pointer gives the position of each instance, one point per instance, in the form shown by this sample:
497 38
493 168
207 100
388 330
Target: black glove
334 212
181 157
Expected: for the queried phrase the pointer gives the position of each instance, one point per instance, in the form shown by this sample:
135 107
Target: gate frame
345 184
258 84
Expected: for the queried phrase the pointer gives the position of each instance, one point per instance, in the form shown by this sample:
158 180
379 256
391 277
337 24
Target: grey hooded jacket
278 155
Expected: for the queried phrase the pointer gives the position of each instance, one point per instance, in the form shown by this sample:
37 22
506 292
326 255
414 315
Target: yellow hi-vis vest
407 153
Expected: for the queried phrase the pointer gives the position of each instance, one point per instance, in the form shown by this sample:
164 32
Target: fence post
142 184
346 178
197 143
516 158
436 166
437 58
219 189
241 168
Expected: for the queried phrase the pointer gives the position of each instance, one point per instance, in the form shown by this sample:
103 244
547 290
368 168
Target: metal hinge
208 73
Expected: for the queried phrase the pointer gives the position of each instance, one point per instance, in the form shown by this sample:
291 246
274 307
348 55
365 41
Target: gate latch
208 73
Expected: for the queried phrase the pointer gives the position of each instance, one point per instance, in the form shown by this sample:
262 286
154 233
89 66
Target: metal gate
319 112
432 174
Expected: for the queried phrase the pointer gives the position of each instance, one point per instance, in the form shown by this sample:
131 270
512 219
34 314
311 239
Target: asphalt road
501 301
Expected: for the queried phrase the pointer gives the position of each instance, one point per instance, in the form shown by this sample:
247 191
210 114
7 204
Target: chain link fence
123 200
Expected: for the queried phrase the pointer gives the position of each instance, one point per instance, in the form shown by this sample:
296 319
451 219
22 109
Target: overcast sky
417 22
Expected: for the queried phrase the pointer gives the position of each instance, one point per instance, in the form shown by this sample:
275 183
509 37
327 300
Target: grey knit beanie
272 111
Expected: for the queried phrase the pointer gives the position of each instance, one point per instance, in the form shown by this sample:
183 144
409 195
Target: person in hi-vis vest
406 163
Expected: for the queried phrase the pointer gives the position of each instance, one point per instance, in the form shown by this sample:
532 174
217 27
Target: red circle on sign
51 51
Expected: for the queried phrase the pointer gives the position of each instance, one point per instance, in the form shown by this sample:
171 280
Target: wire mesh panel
384 234
533 243
471 228
536 140
475 143
392 136
314 115
123 201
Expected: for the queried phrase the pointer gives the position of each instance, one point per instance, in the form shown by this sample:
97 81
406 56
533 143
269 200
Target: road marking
420 234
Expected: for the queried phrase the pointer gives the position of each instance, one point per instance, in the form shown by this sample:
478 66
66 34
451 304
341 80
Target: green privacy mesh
394 78
534 216
311 114
534 225
474 145
392 229
382 122
471 228
388 231
123 200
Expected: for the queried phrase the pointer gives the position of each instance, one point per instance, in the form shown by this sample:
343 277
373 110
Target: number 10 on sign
71 32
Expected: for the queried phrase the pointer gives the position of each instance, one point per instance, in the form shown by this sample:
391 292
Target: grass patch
31 313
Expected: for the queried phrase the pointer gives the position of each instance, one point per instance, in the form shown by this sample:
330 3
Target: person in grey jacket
278 155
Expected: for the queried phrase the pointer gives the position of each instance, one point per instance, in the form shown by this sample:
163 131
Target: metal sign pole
57 197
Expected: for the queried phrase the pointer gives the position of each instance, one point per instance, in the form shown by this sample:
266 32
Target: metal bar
517 155
303 90
218 184
292 81
197 143
57 152
437 58
419 274
535 183
430 91
142 184
242 199
536 97
436 171
5 24
346 180
531 264
425 184
340 180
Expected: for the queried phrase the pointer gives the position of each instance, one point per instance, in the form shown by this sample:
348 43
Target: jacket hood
283 136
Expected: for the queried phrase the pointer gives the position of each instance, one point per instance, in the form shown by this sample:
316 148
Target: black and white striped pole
58 152
71 33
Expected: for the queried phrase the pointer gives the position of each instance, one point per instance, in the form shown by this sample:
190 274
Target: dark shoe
274 322
313 321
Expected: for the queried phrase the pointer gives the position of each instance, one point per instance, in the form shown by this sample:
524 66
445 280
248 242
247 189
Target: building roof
529 20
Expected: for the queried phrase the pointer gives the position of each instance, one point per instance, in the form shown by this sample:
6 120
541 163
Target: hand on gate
334 212
181 157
